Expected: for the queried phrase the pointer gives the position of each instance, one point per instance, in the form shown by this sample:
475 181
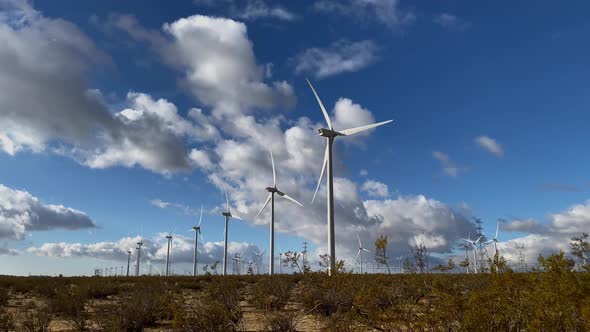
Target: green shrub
3 296
212 316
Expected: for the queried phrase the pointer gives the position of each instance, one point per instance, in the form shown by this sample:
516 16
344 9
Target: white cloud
449 166
524 225
375 189
218 61
450 22
575 220
340 57
169 205
21 212
250 9
386 12
489 144
257 9
153 250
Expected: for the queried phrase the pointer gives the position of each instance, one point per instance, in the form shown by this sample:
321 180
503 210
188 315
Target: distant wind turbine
360 252
330 134
227 214
197 230
474 244
271 198
495 239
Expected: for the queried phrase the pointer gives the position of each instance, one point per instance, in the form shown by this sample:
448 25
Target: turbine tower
197 230
474 244
139 244
227 214
271 198
128 260
169 239
330 134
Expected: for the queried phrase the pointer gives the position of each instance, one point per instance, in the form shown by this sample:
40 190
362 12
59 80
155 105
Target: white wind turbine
474 244
227 214
197 230
330 134
495 239
169 243
360 252
259 261
271 198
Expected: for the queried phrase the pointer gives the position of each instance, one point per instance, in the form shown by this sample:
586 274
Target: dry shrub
69 302
279 321
141 307
201 316
327 295
36 321
272 292
7 322
4 296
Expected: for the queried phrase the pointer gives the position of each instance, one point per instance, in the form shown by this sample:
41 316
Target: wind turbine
271 198
360 252
259 260
495 239
139 245
330 134
169 239
474 244
227 214
197 230
128 260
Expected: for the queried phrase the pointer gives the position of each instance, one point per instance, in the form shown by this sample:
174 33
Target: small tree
464 264
580 248
421 256
557 263
292 258
213 267
381 251
444 268
325 263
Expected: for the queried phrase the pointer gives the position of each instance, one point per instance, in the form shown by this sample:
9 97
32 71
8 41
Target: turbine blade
479 238
274 174
237 217
226 199
326 116
282 194
357 255
369 251
352 131
358 238
265 204
497 228
201 217
325 162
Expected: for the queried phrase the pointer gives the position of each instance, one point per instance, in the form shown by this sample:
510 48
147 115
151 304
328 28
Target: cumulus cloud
218 61
450 22
385 12
547 238
449 167
153 250
47 106
375 188
21 212
489 144
340 57
4 251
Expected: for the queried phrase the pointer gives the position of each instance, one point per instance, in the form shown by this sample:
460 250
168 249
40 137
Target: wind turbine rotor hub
327 132
271 189
226 214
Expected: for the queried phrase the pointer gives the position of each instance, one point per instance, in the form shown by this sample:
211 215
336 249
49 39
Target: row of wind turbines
330 135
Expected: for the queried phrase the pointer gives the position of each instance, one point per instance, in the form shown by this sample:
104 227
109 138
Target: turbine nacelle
272 189
324 132
226 214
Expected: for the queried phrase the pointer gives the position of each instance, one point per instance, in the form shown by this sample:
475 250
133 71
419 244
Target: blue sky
488 100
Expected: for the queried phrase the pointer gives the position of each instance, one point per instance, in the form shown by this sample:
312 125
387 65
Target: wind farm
273 165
